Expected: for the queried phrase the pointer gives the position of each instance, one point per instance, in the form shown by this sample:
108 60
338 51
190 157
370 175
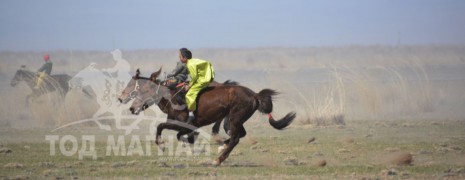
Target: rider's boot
191 117
40 79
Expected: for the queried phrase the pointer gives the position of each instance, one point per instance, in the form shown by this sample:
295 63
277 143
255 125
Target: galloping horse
215 103
168 105
57 82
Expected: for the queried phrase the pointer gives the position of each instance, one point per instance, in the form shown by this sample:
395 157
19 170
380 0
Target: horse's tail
265 105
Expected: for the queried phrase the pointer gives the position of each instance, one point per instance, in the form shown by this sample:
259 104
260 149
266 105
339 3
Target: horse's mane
230 83
26 70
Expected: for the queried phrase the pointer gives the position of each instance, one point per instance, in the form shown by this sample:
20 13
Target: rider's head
117 54
46 57
184 54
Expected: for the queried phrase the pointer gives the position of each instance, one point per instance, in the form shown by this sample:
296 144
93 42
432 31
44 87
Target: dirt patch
319 163
5 150
392 149
342 150
293 161
312 139
398 158
13 166
347 140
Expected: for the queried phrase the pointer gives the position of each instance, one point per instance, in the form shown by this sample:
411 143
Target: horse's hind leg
216 128
29 99
215 131
226 125
237 132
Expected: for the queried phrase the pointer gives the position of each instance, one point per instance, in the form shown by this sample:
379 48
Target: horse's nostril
120 100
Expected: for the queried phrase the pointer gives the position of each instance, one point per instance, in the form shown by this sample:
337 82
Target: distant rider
43 71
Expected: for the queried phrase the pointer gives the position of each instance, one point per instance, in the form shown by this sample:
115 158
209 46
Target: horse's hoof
162 147
159 142
222 148
216 162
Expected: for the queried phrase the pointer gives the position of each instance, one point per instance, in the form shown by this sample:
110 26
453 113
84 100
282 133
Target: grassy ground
361 149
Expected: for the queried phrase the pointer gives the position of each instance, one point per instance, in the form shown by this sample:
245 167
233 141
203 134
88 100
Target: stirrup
190 119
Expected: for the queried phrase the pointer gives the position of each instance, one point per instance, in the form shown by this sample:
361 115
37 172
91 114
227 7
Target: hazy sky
131 24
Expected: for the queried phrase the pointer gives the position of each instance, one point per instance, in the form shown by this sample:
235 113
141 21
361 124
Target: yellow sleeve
192 68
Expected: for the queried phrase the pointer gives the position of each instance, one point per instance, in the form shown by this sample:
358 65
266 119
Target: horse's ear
154 75
92 66
137 73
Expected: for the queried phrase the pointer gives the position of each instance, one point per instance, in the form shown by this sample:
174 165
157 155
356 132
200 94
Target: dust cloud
324 85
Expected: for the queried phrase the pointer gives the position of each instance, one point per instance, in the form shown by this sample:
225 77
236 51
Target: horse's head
117 54
132 88
21 75
83 77
147 96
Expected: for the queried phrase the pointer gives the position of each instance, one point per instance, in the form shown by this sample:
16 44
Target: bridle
151 100
135 91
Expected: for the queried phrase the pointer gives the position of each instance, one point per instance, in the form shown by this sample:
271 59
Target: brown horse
214 103
167 105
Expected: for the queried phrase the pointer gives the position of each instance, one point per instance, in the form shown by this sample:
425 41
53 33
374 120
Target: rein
153 100
174 95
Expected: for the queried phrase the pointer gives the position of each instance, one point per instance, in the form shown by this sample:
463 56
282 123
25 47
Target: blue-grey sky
133 24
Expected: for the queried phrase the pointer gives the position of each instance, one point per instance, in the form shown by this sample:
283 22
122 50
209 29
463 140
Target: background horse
53 83
214 104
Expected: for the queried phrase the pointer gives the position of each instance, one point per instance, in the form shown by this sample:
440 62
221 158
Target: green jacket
47 67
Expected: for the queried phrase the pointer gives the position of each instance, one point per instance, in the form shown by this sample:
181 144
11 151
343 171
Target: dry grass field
363 112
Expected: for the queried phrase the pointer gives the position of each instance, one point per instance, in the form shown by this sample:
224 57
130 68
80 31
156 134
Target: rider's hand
186 87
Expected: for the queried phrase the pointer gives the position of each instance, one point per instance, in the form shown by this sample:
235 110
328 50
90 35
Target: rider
201 73
46 69
178 75
121 69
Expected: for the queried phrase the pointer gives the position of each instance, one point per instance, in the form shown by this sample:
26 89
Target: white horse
106 89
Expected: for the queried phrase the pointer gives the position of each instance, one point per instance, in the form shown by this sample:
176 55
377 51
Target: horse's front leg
29 99
158 139
99 112
173 126
160 128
